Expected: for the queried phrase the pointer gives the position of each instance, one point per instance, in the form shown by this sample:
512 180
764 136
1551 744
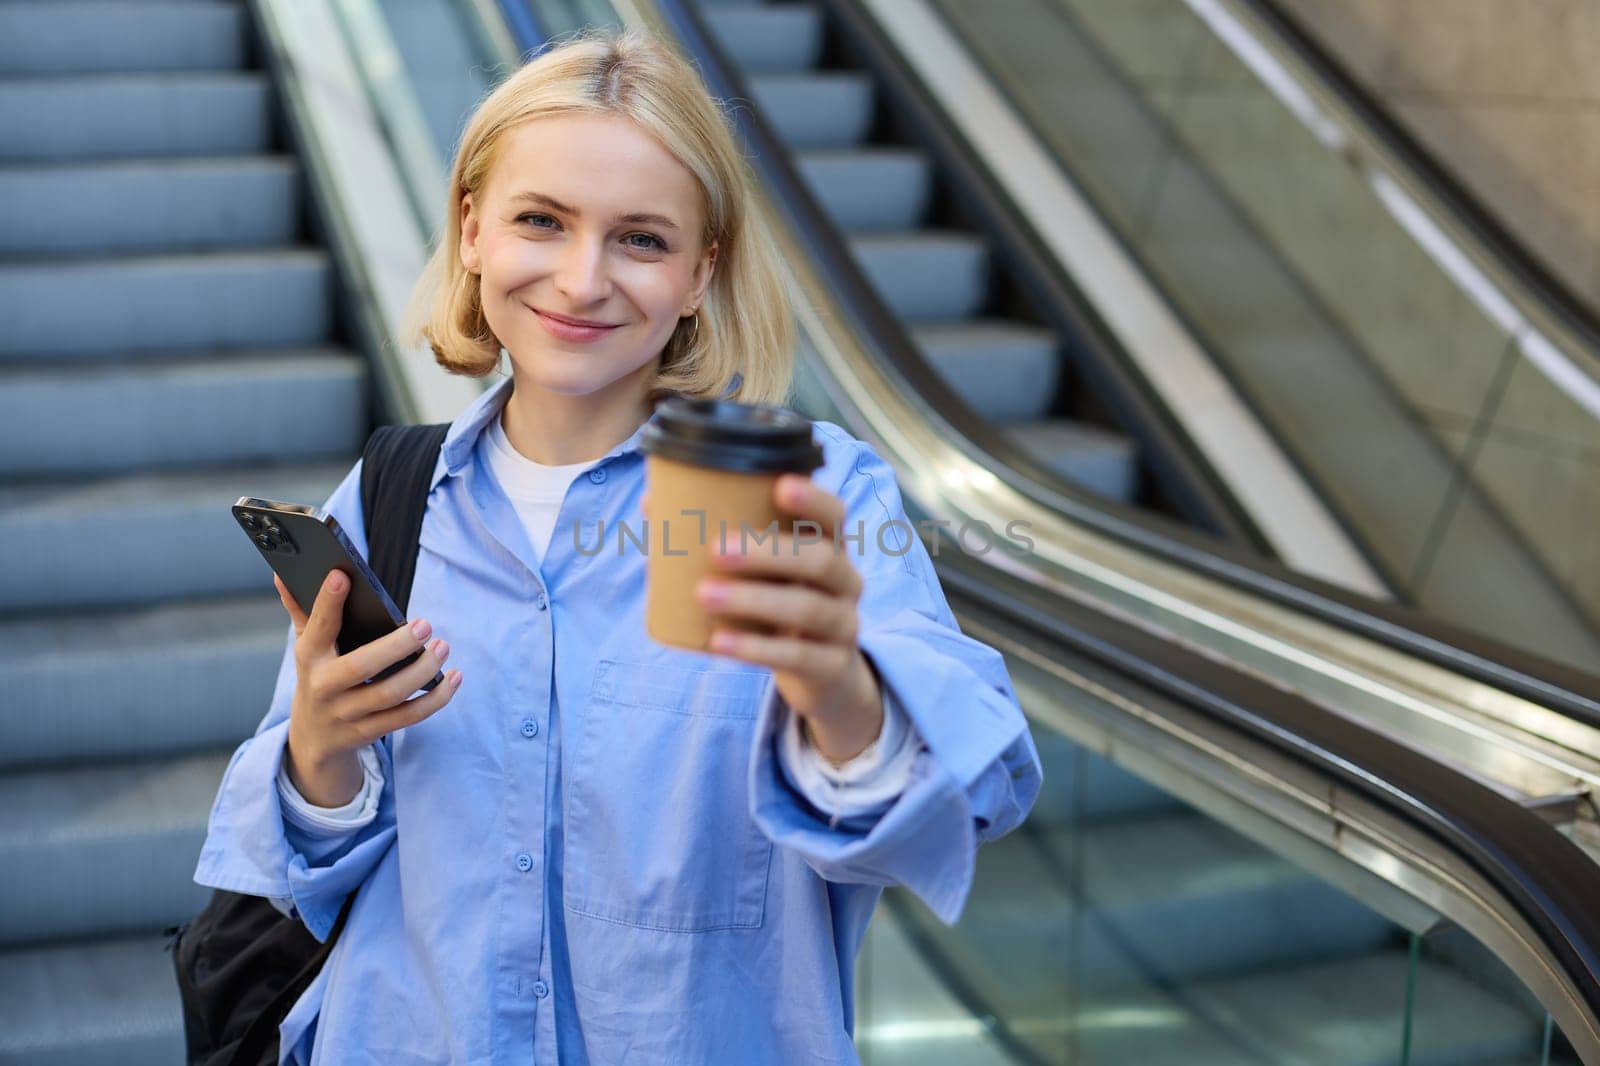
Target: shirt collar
463 434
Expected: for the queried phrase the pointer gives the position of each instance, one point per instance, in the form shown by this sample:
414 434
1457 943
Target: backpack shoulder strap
396 469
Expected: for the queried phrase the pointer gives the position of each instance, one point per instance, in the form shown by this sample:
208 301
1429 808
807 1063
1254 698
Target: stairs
939 280
171 345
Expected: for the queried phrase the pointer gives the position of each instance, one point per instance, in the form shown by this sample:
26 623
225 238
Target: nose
581 275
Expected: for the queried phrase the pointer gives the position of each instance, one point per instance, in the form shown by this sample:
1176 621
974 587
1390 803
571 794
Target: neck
556 430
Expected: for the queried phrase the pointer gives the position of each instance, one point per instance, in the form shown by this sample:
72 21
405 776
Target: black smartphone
302 544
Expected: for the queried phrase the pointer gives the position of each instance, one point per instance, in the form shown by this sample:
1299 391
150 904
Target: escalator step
1007 371
763 39
123 1009
870 189
928 275
115 116
269 407
150 206
97 686
142 823
832 110
155 35
263 299
68 544
1097 459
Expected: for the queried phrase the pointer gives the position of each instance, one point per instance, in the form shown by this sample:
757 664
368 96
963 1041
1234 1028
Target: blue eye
533 215
656 243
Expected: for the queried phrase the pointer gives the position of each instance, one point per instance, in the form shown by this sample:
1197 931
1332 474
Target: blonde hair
745 326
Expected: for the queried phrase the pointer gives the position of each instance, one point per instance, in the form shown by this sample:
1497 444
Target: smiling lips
572 329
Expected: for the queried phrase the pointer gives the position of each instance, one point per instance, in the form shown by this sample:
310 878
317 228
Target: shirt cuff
867 784
333 821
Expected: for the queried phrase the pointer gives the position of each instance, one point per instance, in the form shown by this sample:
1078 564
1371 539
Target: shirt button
524 862
530 728
597 475
541 602
541 989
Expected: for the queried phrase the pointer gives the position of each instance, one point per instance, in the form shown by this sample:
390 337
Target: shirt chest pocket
658 833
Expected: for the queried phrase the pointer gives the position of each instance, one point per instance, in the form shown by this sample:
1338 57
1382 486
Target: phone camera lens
250 521
266 541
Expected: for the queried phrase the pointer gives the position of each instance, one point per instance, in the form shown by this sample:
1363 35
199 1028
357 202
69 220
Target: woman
599 849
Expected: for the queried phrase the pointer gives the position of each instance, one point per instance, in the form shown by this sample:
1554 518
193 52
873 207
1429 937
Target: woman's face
585 218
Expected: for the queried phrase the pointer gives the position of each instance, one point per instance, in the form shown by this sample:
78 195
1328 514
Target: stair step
97 686
769 39
832 110
99 849
870 189
112 116
927 276
271 407
266 299
113 1002
1094 458
79 37
150 206
1006 371
143 539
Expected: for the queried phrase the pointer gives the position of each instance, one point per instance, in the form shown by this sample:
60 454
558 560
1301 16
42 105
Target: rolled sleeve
975 773
867 784
251 844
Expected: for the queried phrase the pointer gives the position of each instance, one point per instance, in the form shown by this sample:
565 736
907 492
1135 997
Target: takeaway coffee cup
710 469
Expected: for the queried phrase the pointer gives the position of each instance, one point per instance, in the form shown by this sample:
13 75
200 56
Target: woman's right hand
335 711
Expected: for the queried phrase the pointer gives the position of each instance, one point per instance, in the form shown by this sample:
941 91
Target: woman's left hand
807 591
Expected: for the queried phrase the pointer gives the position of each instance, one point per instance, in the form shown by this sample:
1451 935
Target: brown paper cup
710 470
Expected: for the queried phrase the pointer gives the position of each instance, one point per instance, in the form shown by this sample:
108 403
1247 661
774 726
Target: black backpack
241 962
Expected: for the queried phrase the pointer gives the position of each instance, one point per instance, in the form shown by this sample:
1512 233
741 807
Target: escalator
1279 824
1437 392
1126 922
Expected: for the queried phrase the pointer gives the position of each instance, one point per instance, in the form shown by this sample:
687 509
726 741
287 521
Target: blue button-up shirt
632 878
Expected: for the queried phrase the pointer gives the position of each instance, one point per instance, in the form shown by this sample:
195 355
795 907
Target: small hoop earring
695 333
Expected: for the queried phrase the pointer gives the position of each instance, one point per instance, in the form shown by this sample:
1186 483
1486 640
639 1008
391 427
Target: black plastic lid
725 435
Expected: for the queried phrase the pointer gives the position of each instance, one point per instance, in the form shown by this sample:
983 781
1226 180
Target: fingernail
442 649
455 679
336 582
420 629
713 593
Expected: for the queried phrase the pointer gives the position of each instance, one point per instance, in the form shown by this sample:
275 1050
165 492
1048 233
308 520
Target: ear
470 260
702 276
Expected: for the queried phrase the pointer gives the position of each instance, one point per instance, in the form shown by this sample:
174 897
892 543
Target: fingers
384 722
798 495
296 615
789 557
808 658
787 608
327 615
361 700
374 657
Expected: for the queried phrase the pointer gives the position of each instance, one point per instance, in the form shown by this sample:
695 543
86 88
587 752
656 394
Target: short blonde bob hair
745 326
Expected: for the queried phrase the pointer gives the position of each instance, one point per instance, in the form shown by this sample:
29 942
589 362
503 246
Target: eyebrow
637 217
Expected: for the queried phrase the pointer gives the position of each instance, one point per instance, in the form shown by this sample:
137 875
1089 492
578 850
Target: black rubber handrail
1548 880
1564 305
